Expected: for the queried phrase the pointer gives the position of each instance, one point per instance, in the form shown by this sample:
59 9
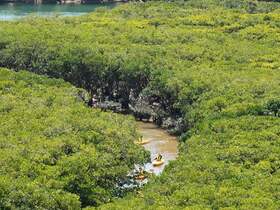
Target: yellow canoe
158 162
142 142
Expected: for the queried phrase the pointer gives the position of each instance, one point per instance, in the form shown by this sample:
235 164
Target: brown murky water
159 142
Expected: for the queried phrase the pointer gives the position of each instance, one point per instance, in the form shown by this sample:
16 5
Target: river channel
160 142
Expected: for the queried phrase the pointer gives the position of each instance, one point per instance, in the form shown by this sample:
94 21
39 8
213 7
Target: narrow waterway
160 142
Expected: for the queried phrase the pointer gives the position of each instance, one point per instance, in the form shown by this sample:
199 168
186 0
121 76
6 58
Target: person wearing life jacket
158 157
141 172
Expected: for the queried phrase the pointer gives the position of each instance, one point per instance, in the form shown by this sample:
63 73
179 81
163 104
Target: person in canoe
141 171
158 160
142 141
141 174
158 157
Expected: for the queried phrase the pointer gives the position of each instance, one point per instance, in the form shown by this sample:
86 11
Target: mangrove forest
206 73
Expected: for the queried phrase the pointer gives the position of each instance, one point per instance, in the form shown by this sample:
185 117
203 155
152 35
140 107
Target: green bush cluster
55 153
211 65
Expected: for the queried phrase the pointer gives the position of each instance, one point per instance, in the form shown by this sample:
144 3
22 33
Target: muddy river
160 142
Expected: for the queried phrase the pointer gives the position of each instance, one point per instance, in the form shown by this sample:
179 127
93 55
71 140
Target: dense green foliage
212 66
54 152
117 53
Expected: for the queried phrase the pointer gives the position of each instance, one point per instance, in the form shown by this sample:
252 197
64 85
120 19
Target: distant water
13 11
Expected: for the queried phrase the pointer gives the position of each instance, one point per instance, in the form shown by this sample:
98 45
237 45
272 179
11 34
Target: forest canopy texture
211 67
55 152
